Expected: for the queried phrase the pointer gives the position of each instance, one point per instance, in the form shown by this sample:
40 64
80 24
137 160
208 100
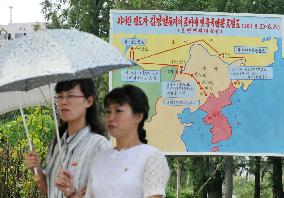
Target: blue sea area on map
256 116
196 131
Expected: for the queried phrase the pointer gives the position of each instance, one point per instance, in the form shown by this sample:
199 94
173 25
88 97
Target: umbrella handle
35 171
26 127
56 125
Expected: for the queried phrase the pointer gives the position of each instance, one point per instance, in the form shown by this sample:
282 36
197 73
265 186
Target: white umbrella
54 55
33 62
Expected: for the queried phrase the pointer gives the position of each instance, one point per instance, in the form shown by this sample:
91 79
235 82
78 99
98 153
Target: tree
16 180
198 170
215 172
85 15
277 177
257 177
228 176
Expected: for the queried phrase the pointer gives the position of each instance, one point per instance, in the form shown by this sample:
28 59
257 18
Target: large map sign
215 81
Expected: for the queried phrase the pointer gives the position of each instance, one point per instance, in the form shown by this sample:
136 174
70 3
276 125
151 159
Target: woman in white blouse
132 168
82 136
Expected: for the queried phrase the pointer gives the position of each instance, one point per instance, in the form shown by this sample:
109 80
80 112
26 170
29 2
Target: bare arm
32 161
40 180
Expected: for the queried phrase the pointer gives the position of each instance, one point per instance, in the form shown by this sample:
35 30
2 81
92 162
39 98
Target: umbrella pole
56 125
26 127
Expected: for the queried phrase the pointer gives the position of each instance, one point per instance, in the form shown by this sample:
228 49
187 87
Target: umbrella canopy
30 63
33 97
54 55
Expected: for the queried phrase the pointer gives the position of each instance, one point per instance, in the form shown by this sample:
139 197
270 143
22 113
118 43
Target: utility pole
11 7
178 177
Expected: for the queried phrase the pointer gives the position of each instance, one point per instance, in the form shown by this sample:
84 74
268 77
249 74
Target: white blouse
137 172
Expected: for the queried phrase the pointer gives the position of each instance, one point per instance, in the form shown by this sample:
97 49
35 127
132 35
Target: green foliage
244 187
186 178
9 116
184 193
85 15
101 84
16 180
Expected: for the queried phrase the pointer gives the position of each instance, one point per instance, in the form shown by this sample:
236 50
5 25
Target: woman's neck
128 142
75 127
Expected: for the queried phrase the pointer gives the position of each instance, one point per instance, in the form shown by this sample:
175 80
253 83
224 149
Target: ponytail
142 133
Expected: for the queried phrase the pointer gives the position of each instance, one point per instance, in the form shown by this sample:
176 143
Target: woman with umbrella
132 168
82 136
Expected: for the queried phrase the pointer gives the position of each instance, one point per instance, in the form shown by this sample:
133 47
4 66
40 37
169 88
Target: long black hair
136 99
92 116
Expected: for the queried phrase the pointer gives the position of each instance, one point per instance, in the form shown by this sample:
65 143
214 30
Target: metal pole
25 126
56 125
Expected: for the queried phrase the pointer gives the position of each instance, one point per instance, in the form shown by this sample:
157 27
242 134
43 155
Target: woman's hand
32 161
64 182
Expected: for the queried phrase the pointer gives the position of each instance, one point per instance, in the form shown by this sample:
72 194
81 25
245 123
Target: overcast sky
23 11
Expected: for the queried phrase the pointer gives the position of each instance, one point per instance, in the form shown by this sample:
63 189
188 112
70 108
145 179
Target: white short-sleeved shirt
137 172
78 152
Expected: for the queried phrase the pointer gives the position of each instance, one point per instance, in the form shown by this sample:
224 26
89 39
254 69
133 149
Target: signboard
215 81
